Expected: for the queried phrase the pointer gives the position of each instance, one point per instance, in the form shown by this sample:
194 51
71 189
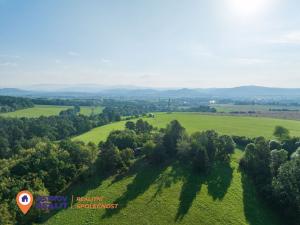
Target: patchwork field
234 125
171 194
49 110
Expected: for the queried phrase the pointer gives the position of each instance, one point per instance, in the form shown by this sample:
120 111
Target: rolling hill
173 193
233 125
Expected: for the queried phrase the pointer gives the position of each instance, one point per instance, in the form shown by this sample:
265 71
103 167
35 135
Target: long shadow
256 211
166 179
142 181
219 180
138 164
190 188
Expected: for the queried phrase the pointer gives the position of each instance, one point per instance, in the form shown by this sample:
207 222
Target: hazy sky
156 43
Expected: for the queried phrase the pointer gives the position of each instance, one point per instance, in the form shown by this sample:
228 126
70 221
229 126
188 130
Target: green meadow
37 111
88 110
171 194
226 108
49 110
233 125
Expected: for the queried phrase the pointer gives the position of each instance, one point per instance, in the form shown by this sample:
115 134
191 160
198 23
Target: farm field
233 125
227 108
171 194
49 110
37 111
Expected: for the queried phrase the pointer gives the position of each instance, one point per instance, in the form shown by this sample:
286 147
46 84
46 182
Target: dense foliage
16 133
202 149
275 169
67 102
44 168
10 104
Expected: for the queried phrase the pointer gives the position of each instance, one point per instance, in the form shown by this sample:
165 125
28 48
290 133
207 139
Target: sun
249 8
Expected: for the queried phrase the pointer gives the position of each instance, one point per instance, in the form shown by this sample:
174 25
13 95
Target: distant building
212 102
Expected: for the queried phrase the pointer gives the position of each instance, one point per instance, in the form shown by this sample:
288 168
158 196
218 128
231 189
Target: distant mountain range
243 92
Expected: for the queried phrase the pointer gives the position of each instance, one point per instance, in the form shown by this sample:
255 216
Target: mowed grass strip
171 194
232 125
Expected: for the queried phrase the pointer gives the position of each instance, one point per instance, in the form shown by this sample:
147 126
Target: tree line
274 167
11 104
67 102
161 145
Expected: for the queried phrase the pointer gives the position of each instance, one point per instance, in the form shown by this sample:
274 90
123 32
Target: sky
155 43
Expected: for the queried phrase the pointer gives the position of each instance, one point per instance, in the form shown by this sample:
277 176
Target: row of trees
45 168
274 167
10 104
67 102
200 108
158 146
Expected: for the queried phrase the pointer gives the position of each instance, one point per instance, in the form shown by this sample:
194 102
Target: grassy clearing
100 133
88 110
171 194
234 125
50 110
37 111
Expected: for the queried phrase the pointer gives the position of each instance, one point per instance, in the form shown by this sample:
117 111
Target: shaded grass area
172 193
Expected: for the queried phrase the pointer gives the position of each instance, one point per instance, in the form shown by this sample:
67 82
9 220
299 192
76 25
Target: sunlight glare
249 8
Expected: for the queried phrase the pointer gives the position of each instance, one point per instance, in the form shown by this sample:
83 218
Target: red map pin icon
24 201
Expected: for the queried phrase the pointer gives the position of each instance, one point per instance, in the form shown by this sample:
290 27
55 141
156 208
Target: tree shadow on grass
190 188
166 179
256 211
142 181
219 180
136 166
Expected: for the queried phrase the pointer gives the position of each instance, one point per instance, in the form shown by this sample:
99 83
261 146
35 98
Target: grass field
171 194
234 125
88 110
174 193
227 108
49 110
37 111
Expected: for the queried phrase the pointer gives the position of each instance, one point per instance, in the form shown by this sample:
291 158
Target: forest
10 104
